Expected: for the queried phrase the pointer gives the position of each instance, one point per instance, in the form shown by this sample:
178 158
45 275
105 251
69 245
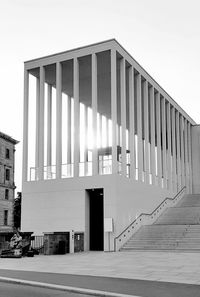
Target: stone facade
7 184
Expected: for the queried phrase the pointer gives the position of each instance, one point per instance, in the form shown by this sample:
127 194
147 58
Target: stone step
168 231
164 248
180 215
178 222
171 227
183 209
189 200
170 239
174 237
180 209
160 236
192 203
178 228
164 244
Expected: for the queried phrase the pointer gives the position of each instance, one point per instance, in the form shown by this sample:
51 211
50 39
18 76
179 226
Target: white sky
163 36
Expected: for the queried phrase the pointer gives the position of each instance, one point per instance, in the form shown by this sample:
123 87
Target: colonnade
149 132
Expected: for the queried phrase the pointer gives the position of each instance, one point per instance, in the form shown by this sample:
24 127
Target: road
143 288
15 290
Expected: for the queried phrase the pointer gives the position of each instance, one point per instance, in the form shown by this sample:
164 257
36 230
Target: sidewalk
156 266
140 273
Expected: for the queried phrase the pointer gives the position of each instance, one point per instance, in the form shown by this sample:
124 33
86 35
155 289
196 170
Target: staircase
178 228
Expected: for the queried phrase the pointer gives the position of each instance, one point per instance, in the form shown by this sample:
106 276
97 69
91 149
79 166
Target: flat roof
74 49
8 138
113 40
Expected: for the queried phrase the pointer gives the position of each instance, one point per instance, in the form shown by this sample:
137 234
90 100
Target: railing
104 167
38 244
67 170
146 219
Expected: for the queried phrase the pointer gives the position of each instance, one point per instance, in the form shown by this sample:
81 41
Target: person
16 240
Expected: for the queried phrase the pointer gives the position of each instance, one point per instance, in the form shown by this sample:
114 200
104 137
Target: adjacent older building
7 184
103 143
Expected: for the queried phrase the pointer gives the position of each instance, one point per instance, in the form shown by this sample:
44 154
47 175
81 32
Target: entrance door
96 219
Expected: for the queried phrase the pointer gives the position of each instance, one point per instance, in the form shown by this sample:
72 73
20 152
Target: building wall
196 158
63 206
134 198
6 163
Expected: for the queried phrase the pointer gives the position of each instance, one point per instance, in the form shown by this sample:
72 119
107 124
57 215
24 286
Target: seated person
16 241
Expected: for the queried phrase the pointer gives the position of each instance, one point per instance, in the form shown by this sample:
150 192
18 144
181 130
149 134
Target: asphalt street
16 290
137 287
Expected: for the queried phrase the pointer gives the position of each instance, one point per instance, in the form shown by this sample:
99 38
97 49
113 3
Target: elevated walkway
178 228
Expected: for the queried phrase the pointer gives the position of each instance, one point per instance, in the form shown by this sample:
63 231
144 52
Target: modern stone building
103 142
7 184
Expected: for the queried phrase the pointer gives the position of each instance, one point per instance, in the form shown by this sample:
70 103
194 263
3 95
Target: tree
17 210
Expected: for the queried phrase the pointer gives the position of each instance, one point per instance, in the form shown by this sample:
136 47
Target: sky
163 36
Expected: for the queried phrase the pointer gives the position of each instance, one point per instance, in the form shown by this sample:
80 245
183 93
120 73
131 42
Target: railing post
140 218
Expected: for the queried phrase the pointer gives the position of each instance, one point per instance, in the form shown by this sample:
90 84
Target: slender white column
118 135
41 121
153 162
178 149
131 122
86 140
25 127
114 111
94 114
76 118
49 125
123 112
164 143
182 152
100 131
69 161
175 188
186 157
107 133
158 133
37 130
190 156
169 161
146 132
139 129
58 120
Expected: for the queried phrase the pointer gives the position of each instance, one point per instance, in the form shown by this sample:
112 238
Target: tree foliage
17 210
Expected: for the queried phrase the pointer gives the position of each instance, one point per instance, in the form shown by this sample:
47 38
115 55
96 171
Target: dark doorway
61 247
96 219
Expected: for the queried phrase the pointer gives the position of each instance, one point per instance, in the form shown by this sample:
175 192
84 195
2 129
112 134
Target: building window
6 194
7 153
7 174
5 217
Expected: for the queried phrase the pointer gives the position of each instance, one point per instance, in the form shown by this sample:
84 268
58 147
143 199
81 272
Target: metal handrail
147 214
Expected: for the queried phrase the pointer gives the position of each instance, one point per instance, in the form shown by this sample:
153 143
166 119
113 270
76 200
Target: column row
148 139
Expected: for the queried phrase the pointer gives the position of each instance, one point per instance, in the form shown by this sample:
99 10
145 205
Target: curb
63 288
